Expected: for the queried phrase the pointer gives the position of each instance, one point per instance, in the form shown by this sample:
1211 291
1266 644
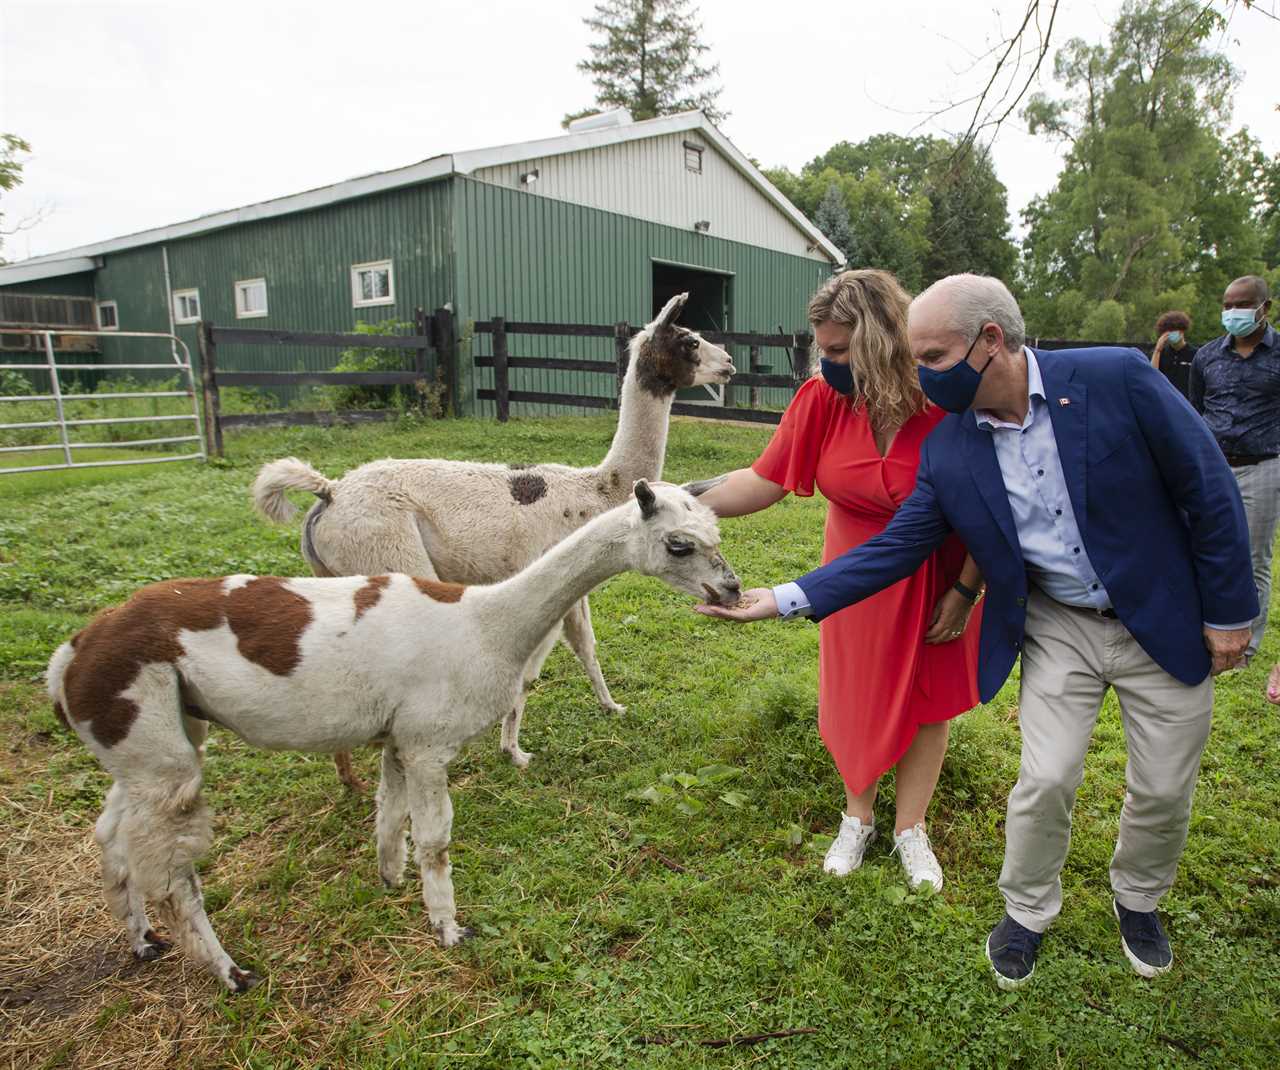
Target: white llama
472 522
323 665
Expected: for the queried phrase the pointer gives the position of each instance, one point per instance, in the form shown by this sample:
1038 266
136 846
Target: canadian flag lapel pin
1064 401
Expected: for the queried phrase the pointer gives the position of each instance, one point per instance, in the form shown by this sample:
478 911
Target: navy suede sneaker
1011 950
1144 942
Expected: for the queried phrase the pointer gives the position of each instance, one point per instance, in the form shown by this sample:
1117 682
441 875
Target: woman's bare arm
737 493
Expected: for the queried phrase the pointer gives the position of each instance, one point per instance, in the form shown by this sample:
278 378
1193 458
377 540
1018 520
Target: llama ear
647 499
671 310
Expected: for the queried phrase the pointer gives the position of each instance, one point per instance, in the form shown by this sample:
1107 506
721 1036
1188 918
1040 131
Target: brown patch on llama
667 361
441 592
527 488
368 595
266 618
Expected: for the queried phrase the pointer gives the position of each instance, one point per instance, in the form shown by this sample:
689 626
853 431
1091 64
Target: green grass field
648 889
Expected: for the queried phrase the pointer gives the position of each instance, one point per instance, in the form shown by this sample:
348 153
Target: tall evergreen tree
647 58
832 218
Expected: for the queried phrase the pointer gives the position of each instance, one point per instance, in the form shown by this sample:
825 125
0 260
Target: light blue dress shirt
1057 561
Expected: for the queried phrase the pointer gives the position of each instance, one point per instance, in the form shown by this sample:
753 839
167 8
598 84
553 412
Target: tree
1152 207
10 170
647 59
832 218
920 207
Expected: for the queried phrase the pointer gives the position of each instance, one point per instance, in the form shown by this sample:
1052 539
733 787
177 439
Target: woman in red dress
896 667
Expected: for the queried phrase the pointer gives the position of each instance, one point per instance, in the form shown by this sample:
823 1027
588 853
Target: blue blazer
1157 506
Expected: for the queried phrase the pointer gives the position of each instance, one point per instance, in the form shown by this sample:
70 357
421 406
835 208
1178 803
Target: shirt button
1094 587
1075 549
1057 512
1039 471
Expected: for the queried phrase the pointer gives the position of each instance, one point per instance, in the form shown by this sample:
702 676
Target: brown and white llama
472 522
324 665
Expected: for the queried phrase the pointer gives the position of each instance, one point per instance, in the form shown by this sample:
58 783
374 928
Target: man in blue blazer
1113 543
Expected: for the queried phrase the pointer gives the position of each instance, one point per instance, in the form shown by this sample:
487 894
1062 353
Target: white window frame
178 317
115 311
244 284
356 300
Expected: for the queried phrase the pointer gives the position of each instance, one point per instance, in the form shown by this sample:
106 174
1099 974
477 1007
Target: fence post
755 368
421 327
799 360
446 336
622 353
209 378
501 385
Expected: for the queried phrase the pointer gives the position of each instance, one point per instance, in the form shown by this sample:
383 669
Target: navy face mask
955 388
838 376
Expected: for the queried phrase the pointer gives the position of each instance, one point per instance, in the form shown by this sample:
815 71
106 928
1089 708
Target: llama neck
526 607
640 443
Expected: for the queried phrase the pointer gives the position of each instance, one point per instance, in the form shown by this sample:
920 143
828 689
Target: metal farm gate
181 364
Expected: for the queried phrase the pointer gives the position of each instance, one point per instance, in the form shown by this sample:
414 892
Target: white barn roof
491 164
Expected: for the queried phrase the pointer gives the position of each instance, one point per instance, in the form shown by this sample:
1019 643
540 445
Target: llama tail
53 677
289 473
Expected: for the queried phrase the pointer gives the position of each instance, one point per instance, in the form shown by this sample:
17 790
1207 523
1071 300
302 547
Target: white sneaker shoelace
917 858
846 851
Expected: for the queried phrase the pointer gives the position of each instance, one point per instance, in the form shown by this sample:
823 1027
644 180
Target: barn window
693 157
372 284
108 317
186 306
251 298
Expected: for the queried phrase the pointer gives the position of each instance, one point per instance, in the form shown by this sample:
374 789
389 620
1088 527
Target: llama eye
678 548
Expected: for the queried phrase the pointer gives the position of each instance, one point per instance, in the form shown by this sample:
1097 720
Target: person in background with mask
894 670
1114 545
1235 386
1173 354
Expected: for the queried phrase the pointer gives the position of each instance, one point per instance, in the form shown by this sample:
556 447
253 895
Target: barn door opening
708 309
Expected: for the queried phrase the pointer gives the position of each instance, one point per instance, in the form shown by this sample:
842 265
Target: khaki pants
1069 658
1260 491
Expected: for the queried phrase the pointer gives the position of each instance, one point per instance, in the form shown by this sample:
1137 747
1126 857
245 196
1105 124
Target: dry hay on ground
72 995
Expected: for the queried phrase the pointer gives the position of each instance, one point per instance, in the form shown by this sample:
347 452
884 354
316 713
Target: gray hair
972 301
1261 292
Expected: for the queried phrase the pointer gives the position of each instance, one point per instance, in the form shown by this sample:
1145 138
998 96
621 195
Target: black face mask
955 388
838 376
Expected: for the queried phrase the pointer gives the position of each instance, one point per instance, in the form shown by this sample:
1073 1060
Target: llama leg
511 723
197 730
183 906
393 811
432 813
582 641
123 897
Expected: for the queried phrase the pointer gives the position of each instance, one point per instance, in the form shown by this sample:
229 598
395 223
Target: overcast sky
143 112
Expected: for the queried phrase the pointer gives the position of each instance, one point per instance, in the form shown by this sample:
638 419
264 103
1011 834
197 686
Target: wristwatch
968 593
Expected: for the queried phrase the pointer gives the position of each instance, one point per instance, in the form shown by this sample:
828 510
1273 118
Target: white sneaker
845 853
917 857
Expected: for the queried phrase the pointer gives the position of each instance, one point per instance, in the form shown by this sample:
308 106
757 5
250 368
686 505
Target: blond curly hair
873 305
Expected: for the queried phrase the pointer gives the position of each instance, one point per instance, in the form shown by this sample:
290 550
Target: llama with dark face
326 665
471 522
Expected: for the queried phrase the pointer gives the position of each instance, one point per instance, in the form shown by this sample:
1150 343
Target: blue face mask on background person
1175 337
955 388
1240 321
838 376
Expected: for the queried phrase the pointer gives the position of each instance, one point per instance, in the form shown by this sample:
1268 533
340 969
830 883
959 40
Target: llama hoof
239 980
613 707
391 883
355 785
151 952
520 758
451 934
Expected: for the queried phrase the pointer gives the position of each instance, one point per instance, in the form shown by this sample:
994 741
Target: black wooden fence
435 333
744 385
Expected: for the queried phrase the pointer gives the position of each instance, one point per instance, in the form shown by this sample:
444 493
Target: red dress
878 680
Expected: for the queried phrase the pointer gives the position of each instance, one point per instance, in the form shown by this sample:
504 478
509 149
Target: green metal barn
598 225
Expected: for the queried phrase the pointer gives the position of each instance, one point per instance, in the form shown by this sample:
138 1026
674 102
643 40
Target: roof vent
601 120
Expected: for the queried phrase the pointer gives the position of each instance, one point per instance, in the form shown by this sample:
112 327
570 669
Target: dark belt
1243 460
1107 614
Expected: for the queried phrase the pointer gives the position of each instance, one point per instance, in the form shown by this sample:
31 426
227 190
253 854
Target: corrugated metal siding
134 280
535 258
306 260
69 285
648 179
